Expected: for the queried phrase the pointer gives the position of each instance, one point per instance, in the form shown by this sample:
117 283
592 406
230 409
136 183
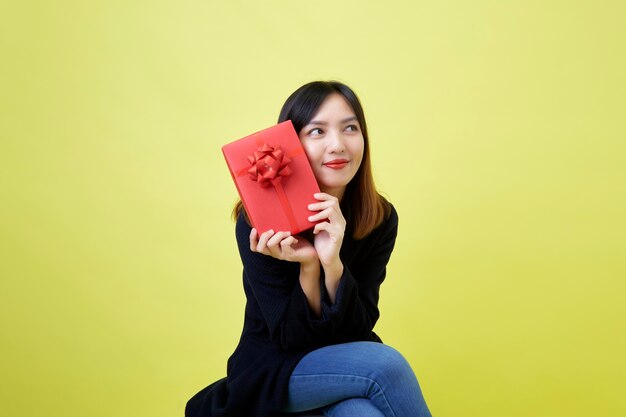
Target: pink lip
336 163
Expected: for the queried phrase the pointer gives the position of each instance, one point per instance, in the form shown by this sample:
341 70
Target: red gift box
274 178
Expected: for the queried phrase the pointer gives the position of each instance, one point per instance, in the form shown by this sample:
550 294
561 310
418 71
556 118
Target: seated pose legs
361 407
308 340
367 379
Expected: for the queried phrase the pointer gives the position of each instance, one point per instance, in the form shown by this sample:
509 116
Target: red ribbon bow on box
269 165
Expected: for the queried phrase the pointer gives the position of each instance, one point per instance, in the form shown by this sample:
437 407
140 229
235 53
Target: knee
389 365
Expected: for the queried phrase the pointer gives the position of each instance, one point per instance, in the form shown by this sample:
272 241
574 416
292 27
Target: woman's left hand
329 233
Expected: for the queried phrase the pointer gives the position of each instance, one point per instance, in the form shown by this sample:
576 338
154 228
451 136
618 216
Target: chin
334 184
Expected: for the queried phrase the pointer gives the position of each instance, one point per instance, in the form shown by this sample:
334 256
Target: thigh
338 372
361 407
365 359
368 370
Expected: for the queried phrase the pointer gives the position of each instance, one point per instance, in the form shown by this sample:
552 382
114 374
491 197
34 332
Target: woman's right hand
283 246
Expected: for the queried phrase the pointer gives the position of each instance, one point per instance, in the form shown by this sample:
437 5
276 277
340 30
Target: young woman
312 300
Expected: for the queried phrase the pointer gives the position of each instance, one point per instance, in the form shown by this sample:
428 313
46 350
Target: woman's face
334 144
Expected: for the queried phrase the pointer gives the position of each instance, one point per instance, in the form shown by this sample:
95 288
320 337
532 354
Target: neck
334 191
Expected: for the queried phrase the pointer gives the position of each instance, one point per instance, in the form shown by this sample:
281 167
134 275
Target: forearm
332 276
310 283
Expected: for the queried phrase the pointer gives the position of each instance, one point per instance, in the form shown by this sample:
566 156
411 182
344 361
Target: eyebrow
346 120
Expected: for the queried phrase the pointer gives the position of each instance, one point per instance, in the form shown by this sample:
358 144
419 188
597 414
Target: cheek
312 153
307 150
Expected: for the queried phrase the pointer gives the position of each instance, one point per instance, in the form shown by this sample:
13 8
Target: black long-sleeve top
280 328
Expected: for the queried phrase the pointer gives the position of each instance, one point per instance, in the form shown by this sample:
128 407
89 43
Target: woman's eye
316 131
352 128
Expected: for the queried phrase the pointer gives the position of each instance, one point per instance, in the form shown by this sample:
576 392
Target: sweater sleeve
355 311
279 296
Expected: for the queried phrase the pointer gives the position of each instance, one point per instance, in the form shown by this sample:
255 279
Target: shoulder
388 228
242 224
392 219
390 222
242 231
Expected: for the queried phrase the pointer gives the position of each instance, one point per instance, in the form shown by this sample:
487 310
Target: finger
265 236
335 234
321 226
322 205
273 242
254 239
288 242
330 213
324 197
319 216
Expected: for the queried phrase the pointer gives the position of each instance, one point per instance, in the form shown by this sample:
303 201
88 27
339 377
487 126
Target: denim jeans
364 379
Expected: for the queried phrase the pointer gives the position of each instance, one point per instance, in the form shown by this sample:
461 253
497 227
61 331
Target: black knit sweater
279 327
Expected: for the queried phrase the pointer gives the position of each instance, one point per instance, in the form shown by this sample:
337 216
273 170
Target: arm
310 282
289 310
350 297
281 290
329 234
283 246
354 311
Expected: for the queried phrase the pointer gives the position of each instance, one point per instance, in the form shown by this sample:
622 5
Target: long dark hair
361 205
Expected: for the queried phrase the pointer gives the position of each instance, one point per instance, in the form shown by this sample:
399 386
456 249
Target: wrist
310 283
332 278
310 268
333 270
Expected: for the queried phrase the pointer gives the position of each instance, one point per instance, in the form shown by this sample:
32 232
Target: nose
335 142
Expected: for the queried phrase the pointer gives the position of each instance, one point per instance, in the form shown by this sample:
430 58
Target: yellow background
497 129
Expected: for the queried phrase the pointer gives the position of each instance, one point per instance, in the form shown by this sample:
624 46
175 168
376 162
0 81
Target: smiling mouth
336 163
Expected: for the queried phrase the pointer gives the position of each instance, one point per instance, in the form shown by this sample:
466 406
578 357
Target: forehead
334 107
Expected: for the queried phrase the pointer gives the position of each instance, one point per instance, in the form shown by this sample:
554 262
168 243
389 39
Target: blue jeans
364 379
